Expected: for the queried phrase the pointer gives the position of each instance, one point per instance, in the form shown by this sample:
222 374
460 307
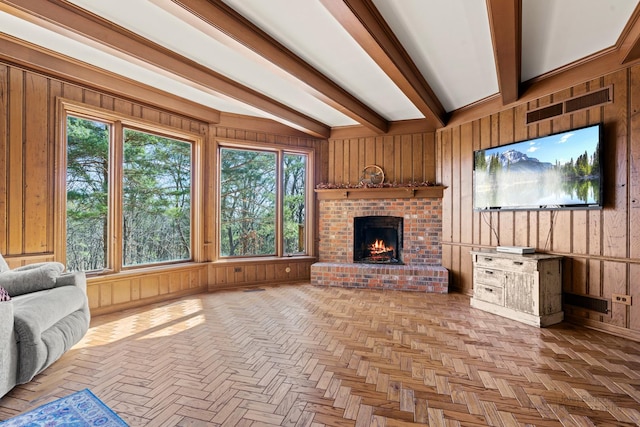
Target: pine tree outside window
156 199
294 180
87 194
128 197
263 202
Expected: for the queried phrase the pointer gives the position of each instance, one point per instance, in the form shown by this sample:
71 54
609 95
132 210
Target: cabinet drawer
521 265
492 294
488 276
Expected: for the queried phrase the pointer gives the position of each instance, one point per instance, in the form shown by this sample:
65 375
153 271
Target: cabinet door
521 292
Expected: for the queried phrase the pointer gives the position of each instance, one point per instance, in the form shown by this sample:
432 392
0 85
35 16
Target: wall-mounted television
559 171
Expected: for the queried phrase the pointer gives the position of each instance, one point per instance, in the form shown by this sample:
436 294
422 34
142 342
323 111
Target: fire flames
379 247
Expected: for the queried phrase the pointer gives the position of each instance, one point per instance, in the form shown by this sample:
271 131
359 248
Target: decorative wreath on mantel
372 174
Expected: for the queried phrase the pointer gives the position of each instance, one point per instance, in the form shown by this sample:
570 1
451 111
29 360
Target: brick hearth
422 249
423 278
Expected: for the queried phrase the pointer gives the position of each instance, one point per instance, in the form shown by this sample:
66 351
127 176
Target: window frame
118 123
279 150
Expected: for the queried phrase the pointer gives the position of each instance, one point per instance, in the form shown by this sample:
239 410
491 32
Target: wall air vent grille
571 105
598 97
544 113
587 302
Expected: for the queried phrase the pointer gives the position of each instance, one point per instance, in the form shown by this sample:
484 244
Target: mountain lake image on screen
558 171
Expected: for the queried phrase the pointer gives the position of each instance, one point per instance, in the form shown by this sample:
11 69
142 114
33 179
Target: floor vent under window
598 305
571 105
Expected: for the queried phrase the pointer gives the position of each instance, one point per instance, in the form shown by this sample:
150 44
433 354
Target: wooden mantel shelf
380 193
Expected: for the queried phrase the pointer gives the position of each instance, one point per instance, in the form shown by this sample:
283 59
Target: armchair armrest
52 264
31 278
78 278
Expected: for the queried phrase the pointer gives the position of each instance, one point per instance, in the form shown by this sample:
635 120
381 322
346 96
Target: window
295 193
156 199
87 194
129 196
263 202
247 203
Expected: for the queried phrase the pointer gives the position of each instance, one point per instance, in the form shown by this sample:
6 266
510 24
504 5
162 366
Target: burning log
380 252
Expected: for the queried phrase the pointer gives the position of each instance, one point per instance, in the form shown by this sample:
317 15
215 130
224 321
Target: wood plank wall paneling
634 195
228 275
15 175
107 294
404 157
4 160
601 247
38 149
28 178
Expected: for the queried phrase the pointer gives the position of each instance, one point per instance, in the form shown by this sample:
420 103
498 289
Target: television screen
562 170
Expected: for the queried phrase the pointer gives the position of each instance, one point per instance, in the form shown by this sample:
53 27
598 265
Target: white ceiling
449 41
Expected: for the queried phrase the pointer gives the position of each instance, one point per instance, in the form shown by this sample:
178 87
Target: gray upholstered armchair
45 314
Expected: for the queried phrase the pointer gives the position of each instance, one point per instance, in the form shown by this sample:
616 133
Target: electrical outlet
621 299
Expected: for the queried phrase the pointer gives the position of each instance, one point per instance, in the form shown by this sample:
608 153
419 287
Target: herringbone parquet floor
299 355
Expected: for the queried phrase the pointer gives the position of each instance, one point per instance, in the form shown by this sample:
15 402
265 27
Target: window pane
87 194
294 181
156 199
247 202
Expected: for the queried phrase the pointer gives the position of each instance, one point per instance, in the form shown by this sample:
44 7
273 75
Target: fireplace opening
377 239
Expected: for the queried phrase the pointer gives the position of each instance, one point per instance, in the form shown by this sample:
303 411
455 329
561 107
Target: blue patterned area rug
80 409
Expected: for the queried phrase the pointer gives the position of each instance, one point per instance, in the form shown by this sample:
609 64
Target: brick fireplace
421 266
377 239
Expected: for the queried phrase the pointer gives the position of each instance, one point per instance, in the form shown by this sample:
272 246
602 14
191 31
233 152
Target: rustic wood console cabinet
526 288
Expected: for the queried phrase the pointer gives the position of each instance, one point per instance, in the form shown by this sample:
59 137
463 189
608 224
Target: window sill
180 266
138 271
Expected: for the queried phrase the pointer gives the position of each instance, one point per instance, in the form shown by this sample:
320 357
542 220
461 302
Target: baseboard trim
603 327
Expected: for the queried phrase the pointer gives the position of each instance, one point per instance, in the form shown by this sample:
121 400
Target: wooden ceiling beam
363 22
54 65
505 22
230 28
64 18
629 41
